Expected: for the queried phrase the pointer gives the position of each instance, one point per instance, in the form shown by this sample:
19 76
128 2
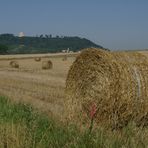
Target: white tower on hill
21 34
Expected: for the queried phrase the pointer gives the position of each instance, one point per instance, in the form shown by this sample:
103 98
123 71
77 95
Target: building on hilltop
21 34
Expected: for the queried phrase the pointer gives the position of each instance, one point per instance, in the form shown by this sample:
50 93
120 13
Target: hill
43 44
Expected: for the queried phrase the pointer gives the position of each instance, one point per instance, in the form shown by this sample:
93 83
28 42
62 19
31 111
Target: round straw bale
47 64
64 58
110 88
37 59
14 64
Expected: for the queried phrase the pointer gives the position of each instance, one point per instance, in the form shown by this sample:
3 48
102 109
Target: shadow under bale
14 64
112 85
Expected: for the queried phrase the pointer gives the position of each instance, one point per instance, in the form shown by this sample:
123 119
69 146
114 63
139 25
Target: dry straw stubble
116 82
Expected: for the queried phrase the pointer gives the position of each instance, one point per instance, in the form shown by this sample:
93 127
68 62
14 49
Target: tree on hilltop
3 49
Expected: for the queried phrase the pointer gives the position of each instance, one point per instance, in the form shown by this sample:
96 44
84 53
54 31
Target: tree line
11 44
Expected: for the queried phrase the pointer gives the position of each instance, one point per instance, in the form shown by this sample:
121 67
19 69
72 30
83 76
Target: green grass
23 127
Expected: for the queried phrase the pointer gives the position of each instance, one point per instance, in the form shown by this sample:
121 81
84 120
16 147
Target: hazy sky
114 24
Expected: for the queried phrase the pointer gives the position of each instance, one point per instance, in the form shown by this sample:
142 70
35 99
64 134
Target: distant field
30 56
144 52
44 89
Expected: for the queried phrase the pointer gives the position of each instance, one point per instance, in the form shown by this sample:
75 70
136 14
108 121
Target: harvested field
44 89
112 85
33 56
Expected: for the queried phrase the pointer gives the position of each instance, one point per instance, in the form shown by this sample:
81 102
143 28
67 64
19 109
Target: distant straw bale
14 64
64 58
47 64
116 83
37 59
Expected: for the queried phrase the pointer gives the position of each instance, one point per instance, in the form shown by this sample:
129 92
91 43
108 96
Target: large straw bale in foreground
115 82
14 64
47 64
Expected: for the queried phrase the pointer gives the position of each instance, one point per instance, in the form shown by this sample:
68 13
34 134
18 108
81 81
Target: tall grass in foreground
23 127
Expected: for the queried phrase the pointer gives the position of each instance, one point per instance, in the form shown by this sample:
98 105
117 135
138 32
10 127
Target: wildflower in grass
93 111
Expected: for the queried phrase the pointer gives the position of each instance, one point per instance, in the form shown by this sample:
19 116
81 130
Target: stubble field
43 89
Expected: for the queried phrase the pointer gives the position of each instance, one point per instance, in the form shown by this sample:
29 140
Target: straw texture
47 64
116 82
14 64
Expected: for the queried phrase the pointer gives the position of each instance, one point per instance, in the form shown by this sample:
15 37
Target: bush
3 49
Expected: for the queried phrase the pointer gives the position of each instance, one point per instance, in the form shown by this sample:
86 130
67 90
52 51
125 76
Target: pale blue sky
114 24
